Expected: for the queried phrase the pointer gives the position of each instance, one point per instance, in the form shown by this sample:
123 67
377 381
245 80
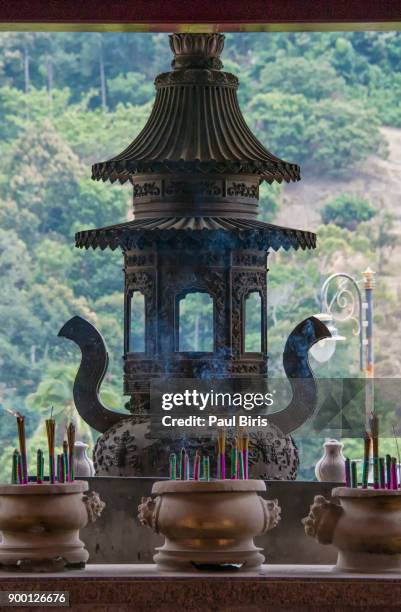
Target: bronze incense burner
195 170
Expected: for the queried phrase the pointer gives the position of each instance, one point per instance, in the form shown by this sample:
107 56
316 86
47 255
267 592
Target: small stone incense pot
40 525
365 528
209 524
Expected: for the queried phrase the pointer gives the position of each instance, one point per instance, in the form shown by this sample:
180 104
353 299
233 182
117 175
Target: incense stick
66 460
22 447
197 462
71 451
382 473
388 471
206 468
398 450
245 453
234 458
366 455
173 466
374 428
182 464
39 466
50 430
14 471
221 459
354 475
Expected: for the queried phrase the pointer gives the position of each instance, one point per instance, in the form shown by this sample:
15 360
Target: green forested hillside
70 99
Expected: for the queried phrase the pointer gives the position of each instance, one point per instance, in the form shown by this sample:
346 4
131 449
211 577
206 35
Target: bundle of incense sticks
221 456
50 430
71 446
385 473
22 463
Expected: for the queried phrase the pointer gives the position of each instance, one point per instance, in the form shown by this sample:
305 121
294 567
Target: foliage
347 211
322 136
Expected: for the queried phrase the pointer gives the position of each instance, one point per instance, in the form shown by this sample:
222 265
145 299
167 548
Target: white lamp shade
324 350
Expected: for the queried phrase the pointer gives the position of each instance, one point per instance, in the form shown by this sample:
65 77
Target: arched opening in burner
253 322
196 322
137 335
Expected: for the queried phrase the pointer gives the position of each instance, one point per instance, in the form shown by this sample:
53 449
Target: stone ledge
144 587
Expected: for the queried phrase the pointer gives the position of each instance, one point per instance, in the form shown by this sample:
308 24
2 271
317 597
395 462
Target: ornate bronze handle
322 519
148 511
94 505
272 513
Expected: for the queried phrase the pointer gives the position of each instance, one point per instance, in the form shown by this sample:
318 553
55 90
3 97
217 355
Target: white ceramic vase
83 466
331 467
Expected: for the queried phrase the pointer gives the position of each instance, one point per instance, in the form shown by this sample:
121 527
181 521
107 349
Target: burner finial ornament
197 50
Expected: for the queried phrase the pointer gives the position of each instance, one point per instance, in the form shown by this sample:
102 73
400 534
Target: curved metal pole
326 307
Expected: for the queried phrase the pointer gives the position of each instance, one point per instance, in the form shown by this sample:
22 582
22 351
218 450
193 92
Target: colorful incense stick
50 430
173 467
234 458
221 459
71 451
14 471
206 468
66 460
241 466
365 470
388 471
197 462
19 470
22 447
59 469
63 468
394 479
182 464
354 475
39 466
245 452
186 467
374 428
382 473
347 467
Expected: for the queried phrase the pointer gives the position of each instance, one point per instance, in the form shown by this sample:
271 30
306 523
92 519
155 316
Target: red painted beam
229 12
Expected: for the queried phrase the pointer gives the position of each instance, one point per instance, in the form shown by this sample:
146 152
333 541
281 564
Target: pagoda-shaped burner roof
196 125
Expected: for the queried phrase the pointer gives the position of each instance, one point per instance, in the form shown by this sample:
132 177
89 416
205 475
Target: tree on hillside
347 211
320 136
315 79
43 177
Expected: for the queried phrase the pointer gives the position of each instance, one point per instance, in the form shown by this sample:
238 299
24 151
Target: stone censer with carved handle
365 528
209 523
40 523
